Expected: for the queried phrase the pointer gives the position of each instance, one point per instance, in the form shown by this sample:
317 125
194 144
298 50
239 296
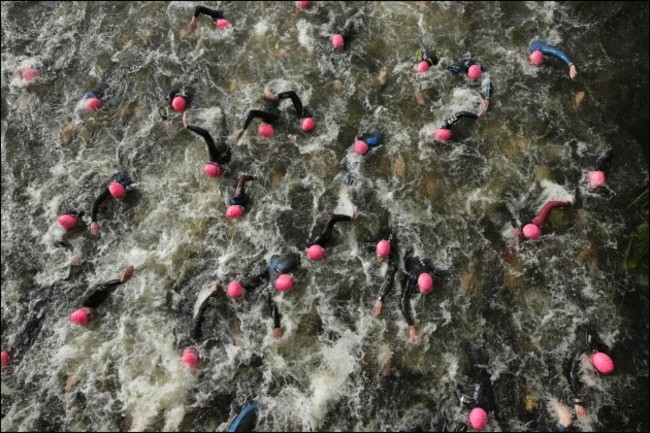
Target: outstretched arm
98 294
94 225
297 103
214 14
275 313
386 287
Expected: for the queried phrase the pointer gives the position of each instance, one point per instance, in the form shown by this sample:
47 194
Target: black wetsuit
271 111
212 13
587 342
478 392
96 295
326 235
393 266
458 117
218 153
432 57
240 197
185 94
598 164
414 267
279 264
487 88
121 178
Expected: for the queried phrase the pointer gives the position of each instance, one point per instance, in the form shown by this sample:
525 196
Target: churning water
452 203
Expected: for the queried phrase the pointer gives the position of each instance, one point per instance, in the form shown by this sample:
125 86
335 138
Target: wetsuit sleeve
387 286
297 103
62 243
275 313
98 201
212 148
603 162
254 281
574 374
547 50
197 332
405 299
266 117
457 117
96 295
326 234
486 86
543 214
214 14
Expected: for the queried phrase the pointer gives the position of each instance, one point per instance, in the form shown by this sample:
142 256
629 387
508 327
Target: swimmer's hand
192 26
572 71
581 412
94 228
185 120
277 333
414 334
376 309
127 274
482 109
239 135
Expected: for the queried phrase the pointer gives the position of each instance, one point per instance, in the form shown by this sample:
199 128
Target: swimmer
237 203
220 154
386 249
270 112
315 246
533 229
538 49
587 343
117 188
444 132
596 169
96 295
341 41
419 273
217 16
178 100
367 141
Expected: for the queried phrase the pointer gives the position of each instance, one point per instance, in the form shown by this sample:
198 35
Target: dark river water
452 203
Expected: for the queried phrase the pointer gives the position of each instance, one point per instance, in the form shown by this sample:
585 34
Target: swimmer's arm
547 50
297 103
275 314
94 225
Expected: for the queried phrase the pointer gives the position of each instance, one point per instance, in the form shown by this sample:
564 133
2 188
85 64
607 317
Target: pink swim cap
303 4
80 317
178 104
423 66
6 359
442 134
93 104
308 124
222 23
30 74
425 282
360 147
596 178
315 252
234 211
212 169
536 58
266 130
116 189
478 418
67 221
474 72
602 362
190 357
284 283
235 289
383 248
532 232
337 41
